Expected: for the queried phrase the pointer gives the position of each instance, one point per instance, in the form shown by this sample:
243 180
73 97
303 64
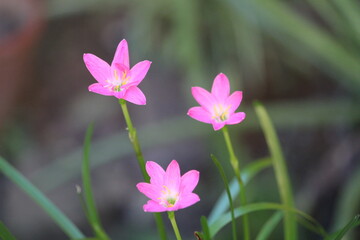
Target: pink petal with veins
156 173
135 95
189 181
218 126
98 68
234 101
139 71
203 97
122 55
150 190
121 68
236 118
198 113
221 87
188 200
98 88
119 95
172 175
153 206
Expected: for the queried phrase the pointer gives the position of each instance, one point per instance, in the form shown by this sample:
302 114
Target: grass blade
5 233
341 233
92 212
61 220
269 226
205 228
247 173
226 183
281 171
226 218
349 200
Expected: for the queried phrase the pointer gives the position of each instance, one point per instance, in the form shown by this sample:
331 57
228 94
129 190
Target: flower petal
153 206
236 118
139 71
121 55
234 101
221 87
218 125
98 88
203 97
189 181
98 68
200 114
119 95
156 173
150 190
120 68
135 95
172 176
188 200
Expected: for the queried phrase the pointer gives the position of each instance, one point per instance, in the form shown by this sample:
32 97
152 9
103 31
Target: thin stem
140 158
226 183
134 140
236 167
174 225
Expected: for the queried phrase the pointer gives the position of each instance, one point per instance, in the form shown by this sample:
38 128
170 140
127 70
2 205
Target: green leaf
87 239
281 172
247 173
5 233
92 212
226 183
205 228
60 219
311 227
348 202
341 233
269 226
226 218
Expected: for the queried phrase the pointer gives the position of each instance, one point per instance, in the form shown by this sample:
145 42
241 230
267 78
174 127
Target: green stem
236 167
140 158
226 183
134 140
174 225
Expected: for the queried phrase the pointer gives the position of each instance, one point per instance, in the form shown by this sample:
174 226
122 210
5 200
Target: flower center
116 83
220 112
168 197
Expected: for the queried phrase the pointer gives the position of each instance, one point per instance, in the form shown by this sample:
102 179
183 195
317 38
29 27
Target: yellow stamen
220 114
168 199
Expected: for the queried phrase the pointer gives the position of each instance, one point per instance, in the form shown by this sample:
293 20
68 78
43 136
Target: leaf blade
92 213
239 211
247 173
5 233
280 168
60 219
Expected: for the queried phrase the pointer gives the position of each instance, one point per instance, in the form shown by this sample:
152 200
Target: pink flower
217 107
169 191
118 79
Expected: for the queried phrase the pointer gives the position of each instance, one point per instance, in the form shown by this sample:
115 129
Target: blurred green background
300 58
